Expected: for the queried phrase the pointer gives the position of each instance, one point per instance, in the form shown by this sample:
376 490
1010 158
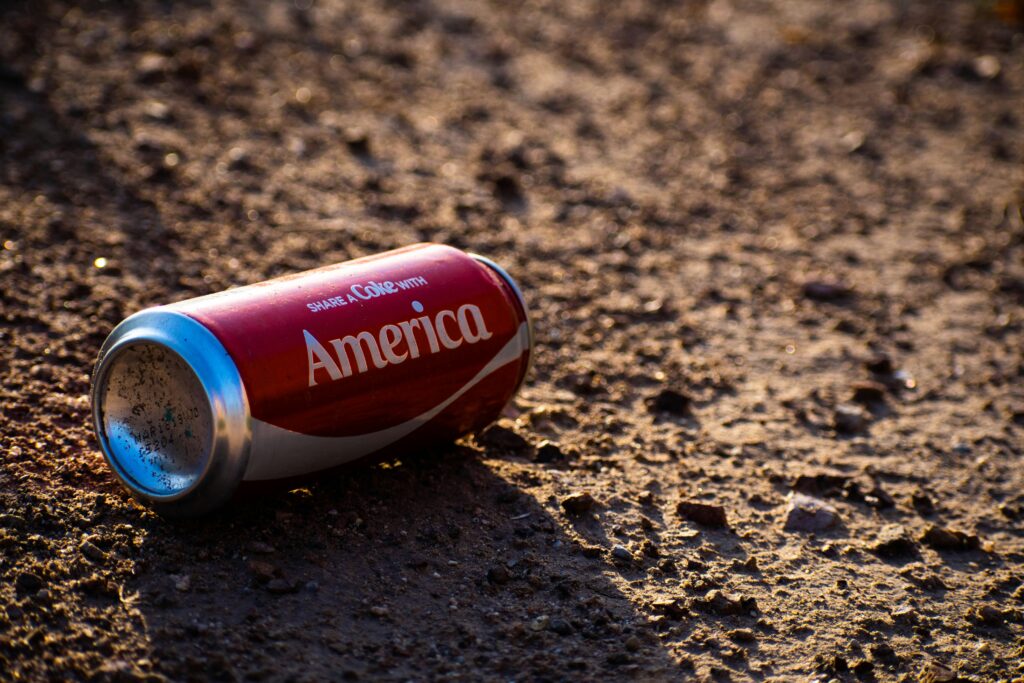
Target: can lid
171 412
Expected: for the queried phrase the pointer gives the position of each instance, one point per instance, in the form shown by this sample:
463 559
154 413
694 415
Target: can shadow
445 565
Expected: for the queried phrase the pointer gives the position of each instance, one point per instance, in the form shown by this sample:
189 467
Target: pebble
868 393
987 66
880 364
498 574
720 602
264 571
157 110
941 538
29 582
671 402
905 613
893 542
936 672
674 608
183 583
741 635
633 644
261 548
821 485
849 418
578 503
548 452
809 514
91 551
820 290
503 439
560 626
150 65
282 586
622 554
540 623
990 614
883 652
380 611
923 503
702 513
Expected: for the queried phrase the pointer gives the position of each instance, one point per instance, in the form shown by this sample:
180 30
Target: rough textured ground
771 248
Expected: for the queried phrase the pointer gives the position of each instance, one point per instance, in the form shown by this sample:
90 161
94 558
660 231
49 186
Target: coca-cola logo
394 344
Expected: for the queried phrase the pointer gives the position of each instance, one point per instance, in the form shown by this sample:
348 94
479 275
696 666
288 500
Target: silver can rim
224 390
503 274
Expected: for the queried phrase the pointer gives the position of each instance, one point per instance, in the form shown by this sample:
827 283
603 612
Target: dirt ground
775 256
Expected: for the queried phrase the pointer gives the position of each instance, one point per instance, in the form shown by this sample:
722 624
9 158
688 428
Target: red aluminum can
307 372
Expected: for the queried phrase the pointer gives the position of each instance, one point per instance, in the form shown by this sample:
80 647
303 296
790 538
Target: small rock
987 66
380 611
358 142
671 402
157 110
923 503
183 583
936 672
849 418
863 668
91 551
990 614
29 582
822 485
674 609
868 393
261 548
702 513
578 503
560 626
282 586
880 364
742 635
893 542
1009 510
264 571
809 514
883 652
498 574
503 439
819 290
720 602
879 498
549 452
941 538
150 66
540 623
633 644
622 554
906 613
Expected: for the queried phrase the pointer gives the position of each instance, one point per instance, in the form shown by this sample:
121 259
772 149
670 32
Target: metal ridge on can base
307 372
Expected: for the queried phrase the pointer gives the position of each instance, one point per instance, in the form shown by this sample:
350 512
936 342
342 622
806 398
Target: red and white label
344 361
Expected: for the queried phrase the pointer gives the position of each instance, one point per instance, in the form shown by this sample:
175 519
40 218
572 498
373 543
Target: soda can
376 356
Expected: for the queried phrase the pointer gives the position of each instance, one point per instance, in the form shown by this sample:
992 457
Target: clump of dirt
775 253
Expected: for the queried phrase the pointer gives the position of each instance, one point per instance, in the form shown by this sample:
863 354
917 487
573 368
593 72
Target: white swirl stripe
278 453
